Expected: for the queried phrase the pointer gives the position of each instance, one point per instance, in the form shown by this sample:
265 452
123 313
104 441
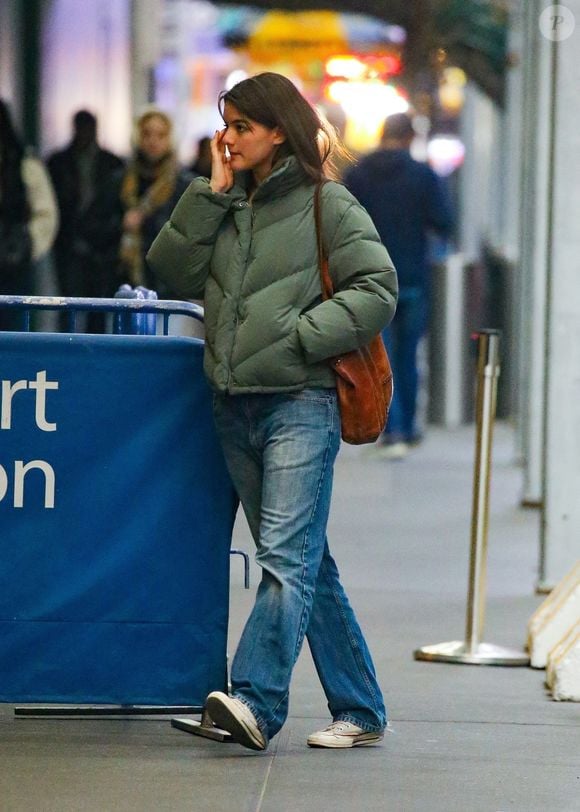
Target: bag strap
325 280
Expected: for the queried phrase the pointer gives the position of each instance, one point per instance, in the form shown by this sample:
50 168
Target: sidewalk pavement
461 738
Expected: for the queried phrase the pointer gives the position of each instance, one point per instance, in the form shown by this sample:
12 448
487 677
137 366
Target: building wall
86 63
9 67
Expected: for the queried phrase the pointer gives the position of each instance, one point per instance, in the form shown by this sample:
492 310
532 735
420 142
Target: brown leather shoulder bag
364 379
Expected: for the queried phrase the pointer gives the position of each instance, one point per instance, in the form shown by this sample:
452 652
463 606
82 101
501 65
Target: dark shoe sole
226 718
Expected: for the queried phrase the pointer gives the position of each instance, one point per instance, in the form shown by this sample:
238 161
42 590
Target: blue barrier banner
116 512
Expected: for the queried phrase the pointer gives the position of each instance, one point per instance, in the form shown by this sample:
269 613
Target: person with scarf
132 206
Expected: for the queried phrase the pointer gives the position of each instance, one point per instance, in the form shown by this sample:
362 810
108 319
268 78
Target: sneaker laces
338 727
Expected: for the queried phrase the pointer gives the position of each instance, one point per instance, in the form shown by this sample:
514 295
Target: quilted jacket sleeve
363 276
181 253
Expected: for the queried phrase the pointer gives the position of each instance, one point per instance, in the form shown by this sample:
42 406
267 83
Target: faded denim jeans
280 451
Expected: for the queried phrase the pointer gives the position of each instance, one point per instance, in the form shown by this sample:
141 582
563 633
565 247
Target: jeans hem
346 717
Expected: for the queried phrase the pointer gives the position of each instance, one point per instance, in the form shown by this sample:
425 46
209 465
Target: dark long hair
274 101
13 203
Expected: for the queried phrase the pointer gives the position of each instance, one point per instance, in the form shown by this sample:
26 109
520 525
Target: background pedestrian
202 163
406 201
28 215
133 204
77 172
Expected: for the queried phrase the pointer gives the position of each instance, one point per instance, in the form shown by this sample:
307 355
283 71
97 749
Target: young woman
245 242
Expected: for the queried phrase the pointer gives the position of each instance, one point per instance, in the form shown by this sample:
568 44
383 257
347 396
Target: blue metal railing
75 305
120 308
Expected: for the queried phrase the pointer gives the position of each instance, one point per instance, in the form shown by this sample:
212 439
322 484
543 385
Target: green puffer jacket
256 268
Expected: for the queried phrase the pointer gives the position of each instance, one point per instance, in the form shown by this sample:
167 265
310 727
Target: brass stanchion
472 650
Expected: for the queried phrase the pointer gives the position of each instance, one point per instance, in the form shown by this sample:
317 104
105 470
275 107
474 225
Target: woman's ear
279 136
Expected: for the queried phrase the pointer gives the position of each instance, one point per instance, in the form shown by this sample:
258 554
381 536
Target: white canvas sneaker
343 734
232 715
389 451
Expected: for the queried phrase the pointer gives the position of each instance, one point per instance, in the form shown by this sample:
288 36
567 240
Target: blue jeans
280 451
401 339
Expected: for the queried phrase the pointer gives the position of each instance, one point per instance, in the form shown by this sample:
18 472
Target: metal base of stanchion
205 728
532 504
102 711
457 651
544 587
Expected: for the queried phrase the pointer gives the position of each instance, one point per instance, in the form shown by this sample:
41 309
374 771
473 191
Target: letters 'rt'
41 387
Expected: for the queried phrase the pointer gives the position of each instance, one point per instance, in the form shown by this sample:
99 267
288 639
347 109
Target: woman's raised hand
222 176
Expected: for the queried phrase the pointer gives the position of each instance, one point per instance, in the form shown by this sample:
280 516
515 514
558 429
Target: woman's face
251 145
154 138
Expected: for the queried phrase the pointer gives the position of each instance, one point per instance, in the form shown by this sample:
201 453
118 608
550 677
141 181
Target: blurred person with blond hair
131 208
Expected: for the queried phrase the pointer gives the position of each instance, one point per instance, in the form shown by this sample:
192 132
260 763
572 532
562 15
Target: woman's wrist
218 188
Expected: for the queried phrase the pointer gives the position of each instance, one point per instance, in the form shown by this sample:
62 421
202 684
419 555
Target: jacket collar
285 176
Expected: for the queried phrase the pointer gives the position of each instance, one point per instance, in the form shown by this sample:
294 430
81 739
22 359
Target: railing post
472 650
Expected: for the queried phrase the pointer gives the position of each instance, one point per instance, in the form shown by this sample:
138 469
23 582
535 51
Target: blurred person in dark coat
77 172
201 166
28 216
407 201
